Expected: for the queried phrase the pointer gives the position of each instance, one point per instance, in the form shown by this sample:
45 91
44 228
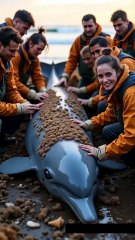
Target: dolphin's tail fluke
17 165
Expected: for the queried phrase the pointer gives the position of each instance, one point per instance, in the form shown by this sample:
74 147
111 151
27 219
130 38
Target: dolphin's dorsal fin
17 165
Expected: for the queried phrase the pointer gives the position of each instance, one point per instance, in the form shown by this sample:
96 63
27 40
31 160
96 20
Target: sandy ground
23 199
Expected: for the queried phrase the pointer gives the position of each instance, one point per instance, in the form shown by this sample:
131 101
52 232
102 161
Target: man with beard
125 32
90 29
13 107
22 21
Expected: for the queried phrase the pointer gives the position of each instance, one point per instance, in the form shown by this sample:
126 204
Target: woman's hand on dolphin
73 89
92 151
63 81
83 101
80 123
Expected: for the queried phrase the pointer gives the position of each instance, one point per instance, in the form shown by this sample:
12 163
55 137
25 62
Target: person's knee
105 133
102 106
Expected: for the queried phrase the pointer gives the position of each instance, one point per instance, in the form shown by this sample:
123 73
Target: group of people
18 62
107 69
107 85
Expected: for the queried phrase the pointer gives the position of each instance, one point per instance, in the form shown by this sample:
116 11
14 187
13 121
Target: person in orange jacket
90 29
89 61
117 121
26 65
125 32
22 21
97 46
12 104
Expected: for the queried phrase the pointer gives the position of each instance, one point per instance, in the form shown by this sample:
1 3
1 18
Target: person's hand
87 125
92 151
63 81
80 123
32 94
83 101
73 89
40 96
28 108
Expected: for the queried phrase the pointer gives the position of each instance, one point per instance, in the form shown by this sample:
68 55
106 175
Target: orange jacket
93 86
130 62
9 21
12 96
126 140
74 53
124 42
36 73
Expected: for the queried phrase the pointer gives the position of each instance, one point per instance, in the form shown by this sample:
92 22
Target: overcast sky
67 12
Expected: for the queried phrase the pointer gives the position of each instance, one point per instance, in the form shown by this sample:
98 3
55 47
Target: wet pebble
32 224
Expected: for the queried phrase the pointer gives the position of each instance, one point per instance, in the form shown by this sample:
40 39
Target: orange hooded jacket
125 43
126 140
130 62
36 73
8 107
74 54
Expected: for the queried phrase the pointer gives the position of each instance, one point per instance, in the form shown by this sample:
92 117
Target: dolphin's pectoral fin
112 165
17 165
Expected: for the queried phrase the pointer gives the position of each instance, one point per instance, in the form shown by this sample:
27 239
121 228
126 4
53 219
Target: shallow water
60 40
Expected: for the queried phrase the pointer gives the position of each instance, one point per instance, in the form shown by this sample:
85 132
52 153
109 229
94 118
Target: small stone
32 224
9 204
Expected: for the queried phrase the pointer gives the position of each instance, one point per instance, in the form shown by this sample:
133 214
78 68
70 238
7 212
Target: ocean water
60 40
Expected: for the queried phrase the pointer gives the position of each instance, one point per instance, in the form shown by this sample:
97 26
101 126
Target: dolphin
66 171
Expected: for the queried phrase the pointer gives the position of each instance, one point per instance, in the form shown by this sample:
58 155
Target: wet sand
115 202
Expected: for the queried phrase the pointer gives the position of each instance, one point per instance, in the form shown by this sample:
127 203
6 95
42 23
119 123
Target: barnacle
57 123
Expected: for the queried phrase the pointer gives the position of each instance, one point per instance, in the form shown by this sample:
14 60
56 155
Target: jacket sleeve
73 58
7 109
12 94
126 140
104 118
23 90
93 86
95 100
37 76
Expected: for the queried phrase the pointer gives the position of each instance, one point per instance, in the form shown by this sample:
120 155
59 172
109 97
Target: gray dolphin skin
66 171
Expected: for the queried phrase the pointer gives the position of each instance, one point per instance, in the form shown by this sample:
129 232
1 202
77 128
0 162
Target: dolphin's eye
47 174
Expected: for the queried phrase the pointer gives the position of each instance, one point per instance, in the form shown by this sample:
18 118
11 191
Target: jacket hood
116 37
9 22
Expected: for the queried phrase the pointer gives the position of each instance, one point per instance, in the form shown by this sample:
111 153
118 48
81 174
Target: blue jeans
102 105
110 133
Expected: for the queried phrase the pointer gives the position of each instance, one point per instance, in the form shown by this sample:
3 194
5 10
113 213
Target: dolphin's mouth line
74 202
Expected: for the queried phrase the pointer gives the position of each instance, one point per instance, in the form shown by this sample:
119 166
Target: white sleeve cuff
88 125
31 94
101 153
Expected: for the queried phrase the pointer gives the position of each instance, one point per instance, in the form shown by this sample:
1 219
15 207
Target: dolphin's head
70 174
